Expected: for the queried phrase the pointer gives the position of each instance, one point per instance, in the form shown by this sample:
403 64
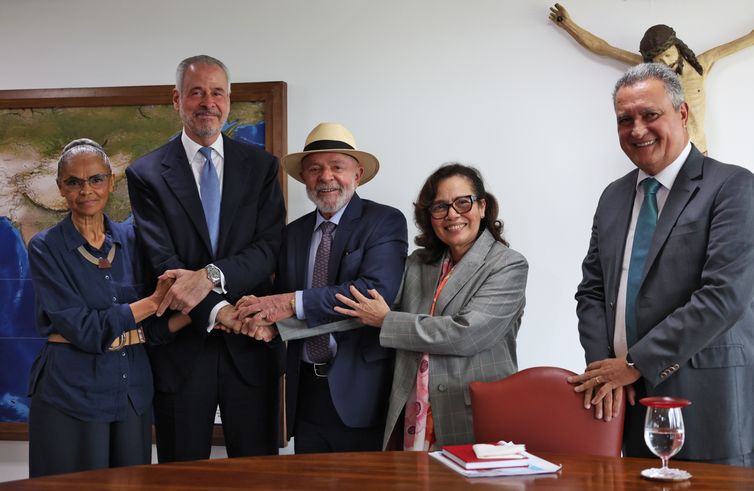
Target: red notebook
464 456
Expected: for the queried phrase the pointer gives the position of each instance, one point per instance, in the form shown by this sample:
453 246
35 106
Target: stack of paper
501 459
484 456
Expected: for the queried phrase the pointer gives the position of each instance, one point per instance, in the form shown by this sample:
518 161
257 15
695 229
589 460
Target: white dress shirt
666 177
196 160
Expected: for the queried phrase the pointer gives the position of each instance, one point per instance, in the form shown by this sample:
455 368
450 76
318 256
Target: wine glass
664 434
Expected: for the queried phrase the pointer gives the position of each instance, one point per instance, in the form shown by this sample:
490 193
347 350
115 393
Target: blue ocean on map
249 133
19 342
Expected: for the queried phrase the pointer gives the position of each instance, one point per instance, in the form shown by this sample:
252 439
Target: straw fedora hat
331 137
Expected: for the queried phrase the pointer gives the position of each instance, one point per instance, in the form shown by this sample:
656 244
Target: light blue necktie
645 230
210 194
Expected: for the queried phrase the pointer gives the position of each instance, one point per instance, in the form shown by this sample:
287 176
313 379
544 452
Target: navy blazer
88 306
369 250
695 305
171 225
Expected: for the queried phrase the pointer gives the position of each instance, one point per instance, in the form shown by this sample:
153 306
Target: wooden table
383 471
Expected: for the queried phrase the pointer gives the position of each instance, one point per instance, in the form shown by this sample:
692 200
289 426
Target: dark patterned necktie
645 230
318 347
210 195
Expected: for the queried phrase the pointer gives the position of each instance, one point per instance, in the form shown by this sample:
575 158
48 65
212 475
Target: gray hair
657 71
81 146
201 60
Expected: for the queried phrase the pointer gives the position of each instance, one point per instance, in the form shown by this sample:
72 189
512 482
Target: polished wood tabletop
384 471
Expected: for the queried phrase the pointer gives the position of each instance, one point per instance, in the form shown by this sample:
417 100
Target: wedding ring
598 379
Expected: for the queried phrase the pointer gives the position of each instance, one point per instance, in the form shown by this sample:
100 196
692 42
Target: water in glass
664 434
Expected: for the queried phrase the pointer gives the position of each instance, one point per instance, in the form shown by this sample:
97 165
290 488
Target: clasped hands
603 384
255 316
189 288
251 316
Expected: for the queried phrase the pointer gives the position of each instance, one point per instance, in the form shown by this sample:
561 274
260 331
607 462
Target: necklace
101 263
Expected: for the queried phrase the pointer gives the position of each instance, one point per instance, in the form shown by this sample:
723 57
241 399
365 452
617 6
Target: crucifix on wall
660 44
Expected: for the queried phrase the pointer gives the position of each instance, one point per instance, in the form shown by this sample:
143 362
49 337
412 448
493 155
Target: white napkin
501 450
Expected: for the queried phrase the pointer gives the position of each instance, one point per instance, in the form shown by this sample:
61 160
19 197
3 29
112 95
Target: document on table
291 329
536 466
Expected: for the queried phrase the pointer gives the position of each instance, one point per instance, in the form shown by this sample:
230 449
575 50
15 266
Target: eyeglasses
97 181
462 205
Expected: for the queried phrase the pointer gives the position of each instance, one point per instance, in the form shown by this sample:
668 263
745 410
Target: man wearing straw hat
337 383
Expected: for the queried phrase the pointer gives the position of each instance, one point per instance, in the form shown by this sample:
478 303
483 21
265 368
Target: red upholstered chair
538 407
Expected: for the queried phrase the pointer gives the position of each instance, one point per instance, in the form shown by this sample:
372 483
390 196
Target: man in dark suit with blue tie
337 383
209 212
666 304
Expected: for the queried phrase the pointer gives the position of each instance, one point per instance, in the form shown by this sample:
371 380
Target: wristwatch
213 274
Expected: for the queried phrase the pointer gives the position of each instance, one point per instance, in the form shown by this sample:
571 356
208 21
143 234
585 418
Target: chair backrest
538 407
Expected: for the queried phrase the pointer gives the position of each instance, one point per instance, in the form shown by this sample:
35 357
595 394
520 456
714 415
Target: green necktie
645 229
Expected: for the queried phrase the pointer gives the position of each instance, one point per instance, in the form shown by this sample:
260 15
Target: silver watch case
213 274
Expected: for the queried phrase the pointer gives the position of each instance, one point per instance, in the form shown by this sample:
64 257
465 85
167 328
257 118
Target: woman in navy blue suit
91 385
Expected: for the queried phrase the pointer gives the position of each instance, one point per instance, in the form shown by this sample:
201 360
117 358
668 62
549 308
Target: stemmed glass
664 434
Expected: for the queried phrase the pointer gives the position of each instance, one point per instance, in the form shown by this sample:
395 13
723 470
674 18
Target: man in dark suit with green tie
666 304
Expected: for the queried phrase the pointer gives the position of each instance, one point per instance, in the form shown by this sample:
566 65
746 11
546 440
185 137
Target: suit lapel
430 277
465 270
616 231
180 180
301 239
684 187
347 224
236 175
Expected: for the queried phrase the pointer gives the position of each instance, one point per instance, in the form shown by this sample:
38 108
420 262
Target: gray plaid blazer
471 337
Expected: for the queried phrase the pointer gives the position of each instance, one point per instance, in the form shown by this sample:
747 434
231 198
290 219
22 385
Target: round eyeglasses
461 204
97 181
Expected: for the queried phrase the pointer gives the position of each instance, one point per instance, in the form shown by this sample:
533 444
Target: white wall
488 82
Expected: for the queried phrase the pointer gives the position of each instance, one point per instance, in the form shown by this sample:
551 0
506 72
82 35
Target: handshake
256 316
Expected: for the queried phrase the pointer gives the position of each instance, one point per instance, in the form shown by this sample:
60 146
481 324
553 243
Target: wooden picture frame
26 103
273 95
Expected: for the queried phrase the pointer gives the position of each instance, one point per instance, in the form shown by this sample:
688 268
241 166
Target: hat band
328 145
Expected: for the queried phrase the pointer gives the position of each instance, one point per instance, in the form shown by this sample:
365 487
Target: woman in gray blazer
456 315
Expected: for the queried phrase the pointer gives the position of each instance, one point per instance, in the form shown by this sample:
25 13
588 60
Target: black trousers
740 460
318 428
59 443
184 420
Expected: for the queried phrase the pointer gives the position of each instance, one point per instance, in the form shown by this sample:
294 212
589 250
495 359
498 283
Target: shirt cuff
300 315
213 314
